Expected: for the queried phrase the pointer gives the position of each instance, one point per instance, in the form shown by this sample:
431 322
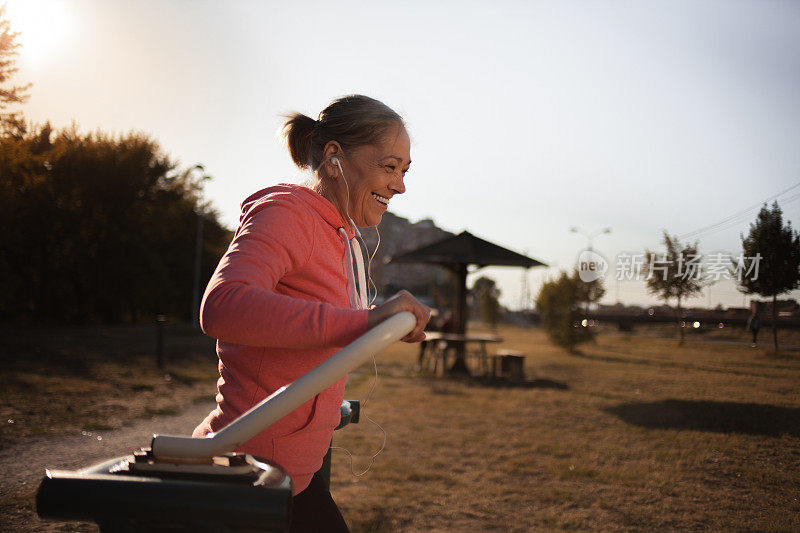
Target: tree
9 94
675 273
561 303
487 294
774 250
97 229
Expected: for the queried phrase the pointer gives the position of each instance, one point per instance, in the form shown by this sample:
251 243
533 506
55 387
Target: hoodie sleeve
240 304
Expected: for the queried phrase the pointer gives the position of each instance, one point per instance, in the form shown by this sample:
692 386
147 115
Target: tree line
97 228
768 266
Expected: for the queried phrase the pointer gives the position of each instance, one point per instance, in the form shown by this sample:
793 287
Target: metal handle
288 398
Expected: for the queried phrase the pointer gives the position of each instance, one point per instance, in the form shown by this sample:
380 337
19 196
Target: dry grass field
633 433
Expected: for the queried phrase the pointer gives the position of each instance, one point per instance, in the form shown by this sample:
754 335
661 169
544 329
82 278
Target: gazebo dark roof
456 253
466 248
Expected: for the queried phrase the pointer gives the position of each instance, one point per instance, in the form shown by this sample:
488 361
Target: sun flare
43 26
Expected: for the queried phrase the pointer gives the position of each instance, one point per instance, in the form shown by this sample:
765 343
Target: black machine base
236 493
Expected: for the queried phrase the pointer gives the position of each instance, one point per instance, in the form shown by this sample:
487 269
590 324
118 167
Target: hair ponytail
352 121
298 132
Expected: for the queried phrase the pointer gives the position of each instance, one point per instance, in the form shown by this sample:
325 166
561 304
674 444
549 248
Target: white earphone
335 161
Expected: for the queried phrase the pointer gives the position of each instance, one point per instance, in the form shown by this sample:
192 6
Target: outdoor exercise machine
197 484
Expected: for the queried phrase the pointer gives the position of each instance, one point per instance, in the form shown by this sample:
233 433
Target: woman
283 297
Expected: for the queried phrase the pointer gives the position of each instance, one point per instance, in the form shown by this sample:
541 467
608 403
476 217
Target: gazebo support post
460 364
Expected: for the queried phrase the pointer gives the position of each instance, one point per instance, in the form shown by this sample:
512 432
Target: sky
526 118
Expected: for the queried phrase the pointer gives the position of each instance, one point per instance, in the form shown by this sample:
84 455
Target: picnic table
438 345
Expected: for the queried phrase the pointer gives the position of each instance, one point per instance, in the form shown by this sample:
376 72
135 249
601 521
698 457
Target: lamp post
589 236
198 250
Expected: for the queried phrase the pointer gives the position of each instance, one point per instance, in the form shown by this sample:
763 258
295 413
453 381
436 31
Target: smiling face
374 174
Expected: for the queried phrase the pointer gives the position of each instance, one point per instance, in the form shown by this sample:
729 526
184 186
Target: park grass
629 433
58 381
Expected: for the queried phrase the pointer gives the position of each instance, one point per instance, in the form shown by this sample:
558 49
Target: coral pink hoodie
279 304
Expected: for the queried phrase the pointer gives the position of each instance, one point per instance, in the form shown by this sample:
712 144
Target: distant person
283 298
754 324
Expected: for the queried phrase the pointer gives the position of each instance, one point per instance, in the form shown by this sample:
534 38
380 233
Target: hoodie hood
312 199
356 275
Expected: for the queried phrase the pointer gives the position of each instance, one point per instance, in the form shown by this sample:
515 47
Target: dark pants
314 510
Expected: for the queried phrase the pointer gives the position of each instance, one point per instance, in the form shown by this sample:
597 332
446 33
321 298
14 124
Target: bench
509 364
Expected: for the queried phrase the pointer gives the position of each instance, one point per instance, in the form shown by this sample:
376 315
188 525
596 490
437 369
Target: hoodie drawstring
357 300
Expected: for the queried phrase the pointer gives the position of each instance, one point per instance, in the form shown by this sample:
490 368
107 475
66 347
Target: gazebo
456 254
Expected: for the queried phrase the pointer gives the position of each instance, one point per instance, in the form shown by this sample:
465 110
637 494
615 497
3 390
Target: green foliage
674 274
779 266
486 292
669 274
9 94
779 248
561 304
97 229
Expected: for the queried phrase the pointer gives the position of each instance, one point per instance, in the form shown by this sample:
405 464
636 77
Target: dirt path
23 465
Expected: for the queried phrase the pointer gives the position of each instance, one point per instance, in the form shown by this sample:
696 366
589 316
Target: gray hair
352 121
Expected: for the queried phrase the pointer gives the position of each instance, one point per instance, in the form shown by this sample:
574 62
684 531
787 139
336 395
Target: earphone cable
370 257
374 362
385 437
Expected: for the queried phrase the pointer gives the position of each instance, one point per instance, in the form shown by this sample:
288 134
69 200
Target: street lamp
589 236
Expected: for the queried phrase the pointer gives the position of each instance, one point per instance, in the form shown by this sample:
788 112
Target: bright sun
44 27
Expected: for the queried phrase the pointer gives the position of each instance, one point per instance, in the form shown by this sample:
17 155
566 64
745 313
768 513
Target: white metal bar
288 398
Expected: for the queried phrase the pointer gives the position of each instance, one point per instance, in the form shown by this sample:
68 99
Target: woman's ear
332 150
